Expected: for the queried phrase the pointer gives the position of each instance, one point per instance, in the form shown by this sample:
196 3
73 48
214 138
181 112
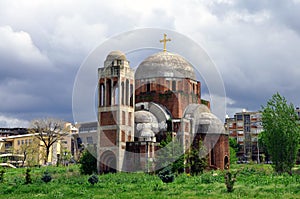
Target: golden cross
165 42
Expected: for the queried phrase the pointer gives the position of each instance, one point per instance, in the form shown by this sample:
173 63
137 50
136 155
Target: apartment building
245 127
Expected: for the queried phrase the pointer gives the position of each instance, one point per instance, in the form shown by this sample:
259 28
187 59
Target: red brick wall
123 136
108 138
161 92
108 118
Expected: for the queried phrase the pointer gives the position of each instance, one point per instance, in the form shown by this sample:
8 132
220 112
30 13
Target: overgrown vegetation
252 181
172 156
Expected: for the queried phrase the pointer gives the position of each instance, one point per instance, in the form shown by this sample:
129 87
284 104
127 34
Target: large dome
165 64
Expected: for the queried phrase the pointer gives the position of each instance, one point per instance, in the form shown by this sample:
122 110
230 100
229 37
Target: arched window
123 93
102 94
116 93
148 87
108 92
212 155
131 95
173 85
127 93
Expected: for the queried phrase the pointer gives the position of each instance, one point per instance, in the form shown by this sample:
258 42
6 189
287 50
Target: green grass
253 181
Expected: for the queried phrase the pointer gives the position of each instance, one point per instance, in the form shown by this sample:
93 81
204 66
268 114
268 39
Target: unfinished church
137 109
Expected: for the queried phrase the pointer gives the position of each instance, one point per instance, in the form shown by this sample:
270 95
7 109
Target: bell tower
115 112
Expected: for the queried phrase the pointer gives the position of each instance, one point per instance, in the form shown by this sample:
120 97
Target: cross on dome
165 40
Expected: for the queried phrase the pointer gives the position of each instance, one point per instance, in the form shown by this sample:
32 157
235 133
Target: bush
93 179
229 181
28 179
88 163
46 177
2 176
166 175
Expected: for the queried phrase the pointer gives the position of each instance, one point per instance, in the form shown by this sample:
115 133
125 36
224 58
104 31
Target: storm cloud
254 44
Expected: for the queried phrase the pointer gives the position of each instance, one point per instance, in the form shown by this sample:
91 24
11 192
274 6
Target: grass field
253 181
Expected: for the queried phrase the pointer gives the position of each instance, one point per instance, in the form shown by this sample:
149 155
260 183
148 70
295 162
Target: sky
255 45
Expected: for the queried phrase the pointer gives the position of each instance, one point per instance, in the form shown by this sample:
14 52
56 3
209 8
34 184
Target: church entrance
108 162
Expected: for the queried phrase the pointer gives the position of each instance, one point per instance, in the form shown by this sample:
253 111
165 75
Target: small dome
147 133
113 55
144 117
202 116
165 64
215 126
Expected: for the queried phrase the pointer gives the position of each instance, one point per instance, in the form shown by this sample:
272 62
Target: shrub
88 163
229 181
46 177
2 176
28 179
166 175
93 179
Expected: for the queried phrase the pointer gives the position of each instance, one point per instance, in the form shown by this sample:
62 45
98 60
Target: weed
93 179
46 177
28 179
229 181
2 175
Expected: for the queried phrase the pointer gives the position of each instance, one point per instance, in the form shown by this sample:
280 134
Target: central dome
165 64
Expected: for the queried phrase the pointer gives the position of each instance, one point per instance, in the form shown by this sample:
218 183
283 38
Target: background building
20 147
244 127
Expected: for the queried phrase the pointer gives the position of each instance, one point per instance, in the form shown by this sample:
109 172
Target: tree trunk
47 154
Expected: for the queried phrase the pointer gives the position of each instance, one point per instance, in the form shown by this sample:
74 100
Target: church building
137 109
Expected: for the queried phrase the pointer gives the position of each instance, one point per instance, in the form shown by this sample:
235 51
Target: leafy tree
170 154
234 147
233 158
282 133
263 147
49 131
234 144
196 159
30 152
88 162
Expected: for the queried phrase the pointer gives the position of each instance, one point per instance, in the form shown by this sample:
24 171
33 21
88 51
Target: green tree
196 159
88 162
30 152
234 148
282 133
234 144
170 154
264 155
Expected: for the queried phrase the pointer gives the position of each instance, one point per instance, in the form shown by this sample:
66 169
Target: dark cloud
255 46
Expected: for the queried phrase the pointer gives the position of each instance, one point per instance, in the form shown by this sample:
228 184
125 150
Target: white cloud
18 45
10 122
